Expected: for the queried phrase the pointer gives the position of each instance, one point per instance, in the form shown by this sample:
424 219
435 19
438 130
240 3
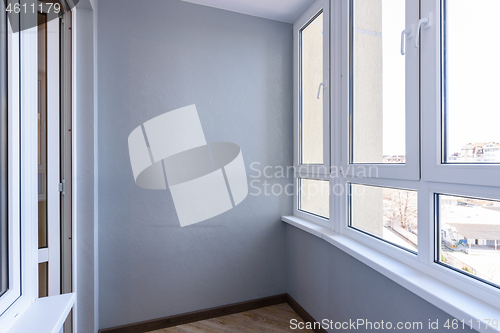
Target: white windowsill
45 315
451 300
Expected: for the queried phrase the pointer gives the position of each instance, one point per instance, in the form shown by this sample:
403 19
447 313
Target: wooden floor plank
271 319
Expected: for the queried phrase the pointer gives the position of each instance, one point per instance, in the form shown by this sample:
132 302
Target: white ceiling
279 10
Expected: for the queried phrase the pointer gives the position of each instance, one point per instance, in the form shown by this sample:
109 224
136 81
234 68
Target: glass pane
43 279
311 108
387 213
470 236
314 197
42 131
378 82
471 83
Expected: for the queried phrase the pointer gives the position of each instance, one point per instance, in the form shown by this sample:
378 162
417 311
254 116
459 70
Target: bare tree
401 208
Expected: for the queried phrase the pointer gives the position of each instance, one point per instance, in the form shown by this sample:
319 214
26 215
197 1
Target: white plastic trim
45 315
27 172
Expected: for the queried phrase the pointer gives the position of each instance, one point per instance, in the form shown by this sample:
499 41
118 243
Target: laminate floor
272 319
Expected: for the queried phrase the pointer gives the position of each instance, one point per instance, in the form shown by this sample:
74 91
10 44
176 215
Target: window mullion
426 229
417 72
336 100
430 90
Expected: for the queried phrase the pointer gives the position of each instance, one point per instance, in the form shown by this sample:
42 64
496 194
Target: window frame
4 151
469 284
411 169
365 238
311 171
358 230
402 176
14 222
303 213
26 311
433 169
429 178
473 192
22 159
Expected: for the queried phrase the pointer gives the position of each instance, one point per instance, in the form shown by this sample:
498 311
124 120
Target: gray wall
333 285
156 56
162 55
84 102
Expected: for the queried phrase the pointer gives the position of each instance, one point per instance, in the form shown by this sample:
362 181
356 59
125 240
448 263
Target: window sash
12 168
310 216
432 121
4 199
489 293
312 169
351 212
22 98
439 222
365 238
410 170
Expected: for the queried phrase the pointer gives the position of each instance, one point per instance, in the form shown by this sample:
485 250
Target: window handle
319 88
427 22
403 39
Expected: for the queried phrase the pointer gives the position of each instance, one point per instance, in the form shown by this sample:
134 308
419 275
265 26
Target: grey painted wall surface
330 284
156 56
84 140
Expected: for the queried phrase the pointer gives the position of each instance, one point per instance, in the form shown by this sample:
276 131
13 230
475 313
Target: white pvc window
382 111
434 83
312 112
468 238
460 155
399 75
13 265
470 109
388 214
459 109
314 197
379 122
22 106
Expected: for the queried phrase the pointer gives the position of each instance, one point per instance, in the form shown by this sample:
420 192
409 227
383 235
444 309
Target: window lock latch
61 187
